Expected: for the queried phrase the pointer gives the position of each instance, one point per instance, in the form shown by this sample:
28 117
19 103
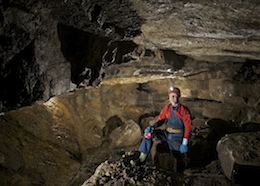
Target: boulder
239 155
221 127
130 134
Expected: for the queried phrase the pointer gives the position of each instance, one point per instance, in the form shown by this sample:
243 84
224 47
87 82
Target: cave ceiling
73 36
219 30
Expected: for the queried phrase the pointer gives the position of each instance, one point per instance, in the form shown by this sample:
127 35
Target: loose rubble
121 173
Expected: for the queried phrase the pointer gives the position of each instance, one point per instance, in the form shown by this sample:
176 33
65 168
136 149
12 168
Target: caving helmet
174 90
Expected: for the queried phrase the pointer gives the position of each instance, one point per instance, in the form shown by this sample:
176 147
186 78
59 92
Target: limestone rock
50 140
50 146
121 173
33 46
240 157
221 127
130 134
187 28
35 156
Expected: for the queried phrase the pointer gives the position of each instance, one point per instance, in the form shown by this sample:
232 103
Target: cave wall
41 26
212 90
209 50
58 135
21 82
224 31
29 25
86 50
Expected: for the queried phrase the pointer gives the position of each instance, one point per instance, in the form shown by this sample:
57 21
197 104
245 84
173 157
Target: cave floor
147 174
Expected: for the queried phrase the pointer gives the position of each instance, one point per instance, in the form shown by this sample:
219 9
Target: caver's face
174 99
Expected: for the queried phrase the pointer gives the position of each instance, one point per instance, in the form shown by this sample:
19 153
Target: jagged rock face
212 31
209 90
223 31
36 28
70 127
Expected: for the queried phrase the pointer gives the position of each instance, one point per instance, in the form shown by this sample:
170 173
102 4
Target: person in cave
178 127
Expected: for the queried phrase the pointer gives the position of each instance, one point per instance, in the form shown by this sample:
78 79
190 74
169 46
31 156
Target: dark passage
88 51
20 80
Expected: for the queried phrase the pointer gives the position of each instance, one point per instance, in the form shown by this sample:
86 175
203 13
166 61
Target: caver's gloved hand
184 146
148 132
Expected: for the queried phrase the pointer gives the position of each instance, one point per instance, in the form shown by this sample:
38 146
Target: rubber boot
140 160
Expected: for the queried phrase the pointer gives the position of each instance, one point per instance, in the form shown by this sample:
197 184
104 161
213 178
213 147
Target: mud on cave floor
108 166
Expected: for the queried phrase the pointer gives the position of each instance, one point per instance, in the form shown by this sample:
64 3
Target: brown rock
239 155
130 134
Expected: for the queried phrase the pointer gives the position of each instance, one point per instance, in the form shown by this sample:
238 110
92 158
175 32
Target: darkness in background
83 49
173 59
21 83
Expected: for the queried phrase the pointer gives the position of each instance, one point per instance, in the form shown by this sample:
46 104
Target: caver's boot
140 160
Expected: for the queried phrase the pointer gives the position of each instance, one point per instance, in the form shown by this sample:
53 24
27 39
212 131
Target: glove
149 129
148 132
184 146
